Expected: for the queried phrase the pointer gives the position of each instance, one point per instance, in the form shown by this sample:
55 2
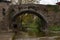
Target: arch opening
29 17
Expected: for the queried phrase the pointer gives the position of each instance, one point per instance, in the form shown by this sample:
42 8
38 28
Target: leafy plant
54 8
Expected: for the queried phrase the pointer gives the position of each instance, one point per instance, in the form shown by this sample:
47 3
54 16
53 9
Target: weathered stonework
3 21
51 17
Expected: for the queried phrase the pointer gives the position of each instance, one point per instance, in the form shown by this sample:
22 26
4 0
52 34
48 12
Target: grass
54 28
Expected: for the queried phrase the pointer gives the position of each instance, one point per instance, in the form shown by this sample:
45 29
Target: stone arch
39 14
31 11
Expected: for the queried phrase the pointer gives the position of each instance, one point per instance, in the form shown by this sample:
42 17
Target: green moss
54 28
54 8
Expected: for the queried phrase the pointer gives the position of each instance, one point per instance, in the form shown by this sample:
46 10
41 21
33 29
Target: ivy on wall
54 8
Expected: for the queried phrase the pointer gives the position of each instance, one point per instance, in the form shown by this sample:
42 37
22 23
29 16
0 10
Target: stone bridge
17 10
8 14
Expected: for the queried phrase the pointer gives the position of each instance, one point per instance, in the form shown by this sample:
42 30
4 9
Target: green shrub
54 28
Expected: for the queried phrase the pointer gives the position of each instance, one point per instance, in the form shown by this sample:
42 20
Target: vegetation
54 28
30 23
54 8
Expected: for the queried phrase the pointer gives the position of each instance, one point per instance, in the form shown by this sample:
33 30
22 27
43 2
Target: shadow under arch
31 11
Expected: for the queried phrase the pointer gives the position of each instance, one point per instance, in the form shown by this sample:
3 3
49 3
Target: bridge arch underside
44 22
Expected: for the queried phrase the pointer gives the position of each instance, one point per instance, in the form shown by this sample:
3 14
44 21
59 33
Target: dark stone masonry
8 13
